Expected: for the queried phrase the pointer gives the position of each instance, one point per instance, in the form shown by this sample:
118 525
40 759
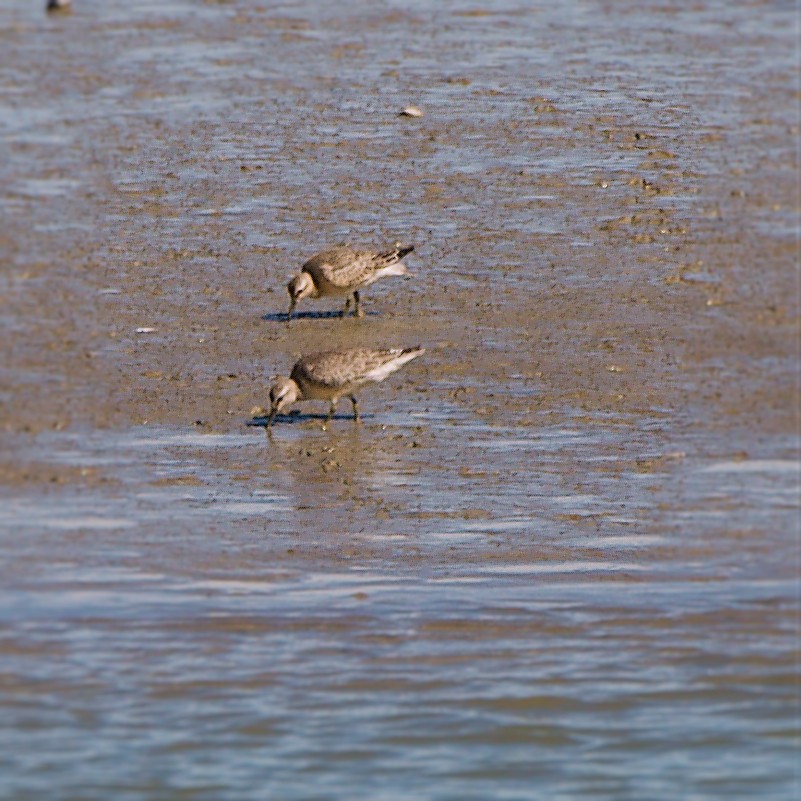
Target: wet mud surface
558 555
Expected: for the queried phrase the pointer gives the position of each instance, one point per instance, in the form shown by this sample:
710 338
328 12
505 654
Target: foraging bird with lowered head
335 374
342 272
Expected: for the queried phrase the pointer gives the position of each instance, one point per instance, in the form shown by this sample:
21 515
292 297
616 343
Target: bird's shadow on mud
296 418
280 317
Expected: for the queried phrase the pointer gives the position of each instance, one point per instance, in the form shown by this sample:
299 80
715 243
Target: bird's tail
392 360
395 255
407 354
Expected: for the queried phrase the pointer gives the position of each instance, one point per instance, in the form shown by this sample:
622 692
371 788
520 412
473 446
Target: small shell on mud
145 330
411 111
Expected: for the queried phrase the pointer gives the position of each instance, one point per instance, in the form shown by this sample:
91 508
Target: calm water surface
576 643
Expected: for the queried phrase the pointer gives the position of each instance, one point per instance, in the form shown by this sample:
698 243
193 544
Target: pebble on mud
411 111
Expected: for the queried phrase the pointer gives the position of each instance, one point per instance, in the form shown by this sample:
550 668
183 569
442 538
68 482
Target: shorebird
343 271
334 374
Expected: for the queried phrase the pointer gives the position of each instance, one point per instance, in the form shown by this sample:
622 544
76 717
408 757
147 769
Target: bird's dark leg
355 408
358 312
331 411
347 306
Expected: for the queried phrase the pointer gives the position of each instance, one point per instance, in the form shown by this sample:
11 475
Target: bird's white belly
332 291
312 391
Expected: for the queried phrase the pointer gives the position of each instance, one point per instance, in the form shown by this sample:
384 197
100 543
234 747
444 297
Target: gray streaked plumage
342 271
334 374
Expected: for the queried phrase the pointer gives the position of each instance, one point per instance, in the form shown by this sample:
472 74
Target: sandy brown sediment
657 280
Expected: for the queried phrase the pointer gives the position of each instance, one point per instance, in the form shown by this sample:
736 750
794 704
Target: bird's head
283 393
301 286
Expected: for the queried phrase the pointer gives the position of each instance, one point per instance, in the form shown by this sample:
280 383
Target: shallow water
559 556
579 642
